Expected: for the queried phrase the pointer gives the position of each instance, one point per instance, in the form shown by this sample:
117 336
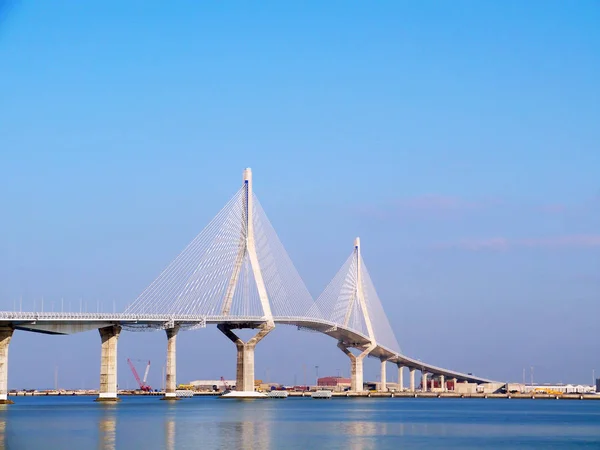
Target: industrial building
338 382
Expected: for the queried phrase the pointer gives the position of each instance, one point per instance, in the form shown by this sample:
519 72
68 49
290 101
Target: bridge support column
108 364
383 384
171 381
244 378
424 381
400 377
5 336
454 381
443 383
412 379
356 366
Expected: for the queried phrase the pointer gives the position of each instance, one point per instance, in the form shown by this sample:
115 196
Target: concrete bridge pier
108 364
244 378
454 381
412 379
356 366
443 383
424 381
383 384
171 381
400 377
5 336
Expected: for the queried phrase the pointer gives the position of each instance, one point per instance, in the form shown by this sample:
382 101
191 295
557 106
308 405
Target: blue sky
458 139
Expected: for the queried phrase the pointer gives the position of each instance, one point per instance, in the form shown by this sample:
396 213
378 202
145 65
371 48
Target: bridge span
236 274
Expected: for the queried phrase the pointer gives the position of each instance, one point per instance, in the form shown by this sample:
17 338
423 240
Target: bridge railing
35 316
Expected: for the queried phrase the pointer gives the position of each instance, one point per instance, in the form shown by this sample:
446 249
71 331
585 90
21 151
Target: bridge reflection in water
107 428
3 435
170 433
243 428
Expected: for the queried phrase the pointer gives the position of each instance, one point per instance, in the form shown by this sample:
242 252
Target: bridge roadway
110 324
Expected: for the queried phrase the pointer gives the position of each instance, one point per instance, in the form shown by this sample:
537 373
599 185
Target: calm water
298 423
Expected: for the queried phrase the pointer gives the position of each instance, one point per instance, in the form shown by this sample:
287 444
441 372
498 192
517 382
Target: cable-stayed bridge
237 274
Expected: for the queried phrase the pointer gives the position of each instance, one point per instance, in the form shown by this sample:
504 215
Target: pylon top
247 174
357 243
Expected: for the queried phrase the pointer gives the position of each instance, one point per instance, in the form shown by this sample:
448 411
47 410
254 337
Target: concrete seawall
383 395
350 395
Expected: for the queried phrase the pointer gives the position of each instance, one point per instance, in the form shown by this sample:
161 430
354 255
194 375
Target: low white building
208 385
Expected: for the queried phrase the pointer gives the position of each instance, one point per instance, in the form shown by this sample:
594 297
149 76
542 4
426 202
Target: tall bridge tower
246 250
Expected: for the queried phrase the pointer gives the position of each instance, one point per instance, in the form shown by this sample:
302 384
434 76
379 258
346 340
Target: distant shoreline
375 395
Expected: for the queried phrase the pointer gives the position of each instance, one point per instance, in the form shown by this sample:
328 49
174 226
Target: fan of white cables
339 303
384 334
287 293
196 281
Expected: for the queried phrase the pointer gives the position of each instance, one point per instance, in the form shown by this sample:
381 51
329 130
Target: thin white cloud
580 241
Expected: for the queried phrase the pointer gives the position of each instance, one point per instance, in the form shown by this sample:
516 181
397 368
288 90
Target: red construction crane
143 386
225 386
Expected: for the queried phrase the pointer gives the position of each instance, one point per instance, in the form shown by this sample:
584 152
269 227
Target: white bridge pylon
236 273
246 256
351 301
236 268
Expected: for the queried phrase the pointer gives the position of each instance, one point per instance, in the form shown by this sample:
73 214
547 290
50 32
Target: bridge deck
72 322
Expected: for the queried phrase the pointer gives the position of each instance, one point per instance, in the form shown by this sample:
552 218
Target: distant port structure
236 274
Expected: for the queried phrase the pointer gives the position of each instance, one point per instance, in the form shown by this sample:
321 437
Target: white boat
184 393
277 394
322 394
243 394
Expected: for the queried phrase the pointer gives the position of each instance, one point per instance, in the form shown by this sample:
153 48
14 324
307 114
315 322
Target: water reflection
360 434
245 435
363 428
296 424
107 428
3 438
3 434
251 429
170 434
